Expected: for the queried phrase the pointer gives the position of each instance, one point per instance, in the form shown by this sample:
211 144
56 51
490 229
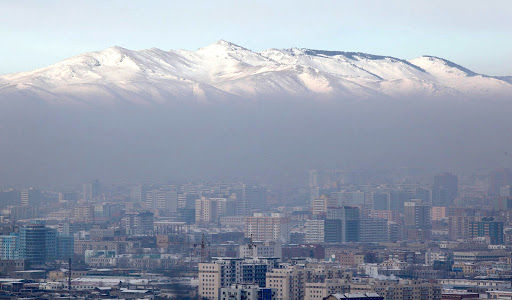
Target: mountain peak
224 42
224 45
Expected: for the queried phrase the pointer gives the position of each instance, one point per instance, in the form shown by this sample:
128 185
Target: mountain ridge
224 70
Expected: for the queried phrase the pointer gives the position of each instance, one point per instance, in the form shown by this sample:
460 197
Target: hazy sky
475 34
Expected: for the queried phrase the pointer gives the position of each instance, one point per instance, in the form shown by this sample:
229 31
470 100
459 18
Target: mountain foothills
225 71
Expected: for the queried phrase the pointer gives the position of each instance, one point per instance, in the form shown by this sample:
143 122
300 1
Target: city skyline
356 150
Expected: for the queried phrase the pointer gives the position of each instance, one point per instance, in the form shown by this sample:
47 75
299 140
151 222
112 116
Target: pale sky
475 34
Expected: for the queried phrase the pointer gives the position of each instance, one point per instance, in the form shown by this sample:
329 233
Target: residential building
399 289
417 214
257 249
319 205
354 296
350 222
9 246
287 282
445 189
224 272
321 290
273 227
487 227
373 230
315 231
139 222
246 292
206 210
37 243
499 178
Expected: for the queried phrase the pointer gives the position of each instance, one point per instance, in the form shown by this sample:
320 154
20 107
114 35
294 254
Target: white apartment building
261 249
315 231
260 227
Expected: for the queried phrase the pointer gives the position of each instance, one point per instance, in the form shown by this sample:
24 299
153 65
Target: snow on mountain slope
461 79
347 64
224 70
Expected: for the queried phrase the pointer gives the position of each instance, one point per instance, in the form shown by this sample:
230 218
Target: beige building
84 213
206 210
466 268
350 259
210 276
438 213
288 283
81 246
321 290
459 227
307 282
400 290
319 205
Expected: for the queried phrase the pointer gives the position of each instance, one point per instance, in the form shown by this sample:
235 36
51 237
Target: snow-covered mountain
224 70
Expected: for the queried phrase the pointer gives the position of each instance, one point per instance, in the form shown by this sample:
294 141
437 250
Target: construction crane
204 248
251 245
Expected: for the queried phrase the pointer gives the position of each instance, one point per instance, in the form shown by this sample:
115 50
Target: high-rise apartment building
373 230
288 282
350 221
206 210
417 214
381 201
445 189
162 200
37 243
139 222
271 249
91 191
299 282
333 231
30 197
9 246
315 231
313 179
499 178
350 198
24 197
138 193
84 213
458 227
397 198
487 227
255 197
247 197
424 195
319 205
321 290
273 227
225 272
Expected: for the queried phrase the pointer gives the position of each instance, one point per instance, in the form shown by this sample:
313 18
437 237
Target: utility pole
69 277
